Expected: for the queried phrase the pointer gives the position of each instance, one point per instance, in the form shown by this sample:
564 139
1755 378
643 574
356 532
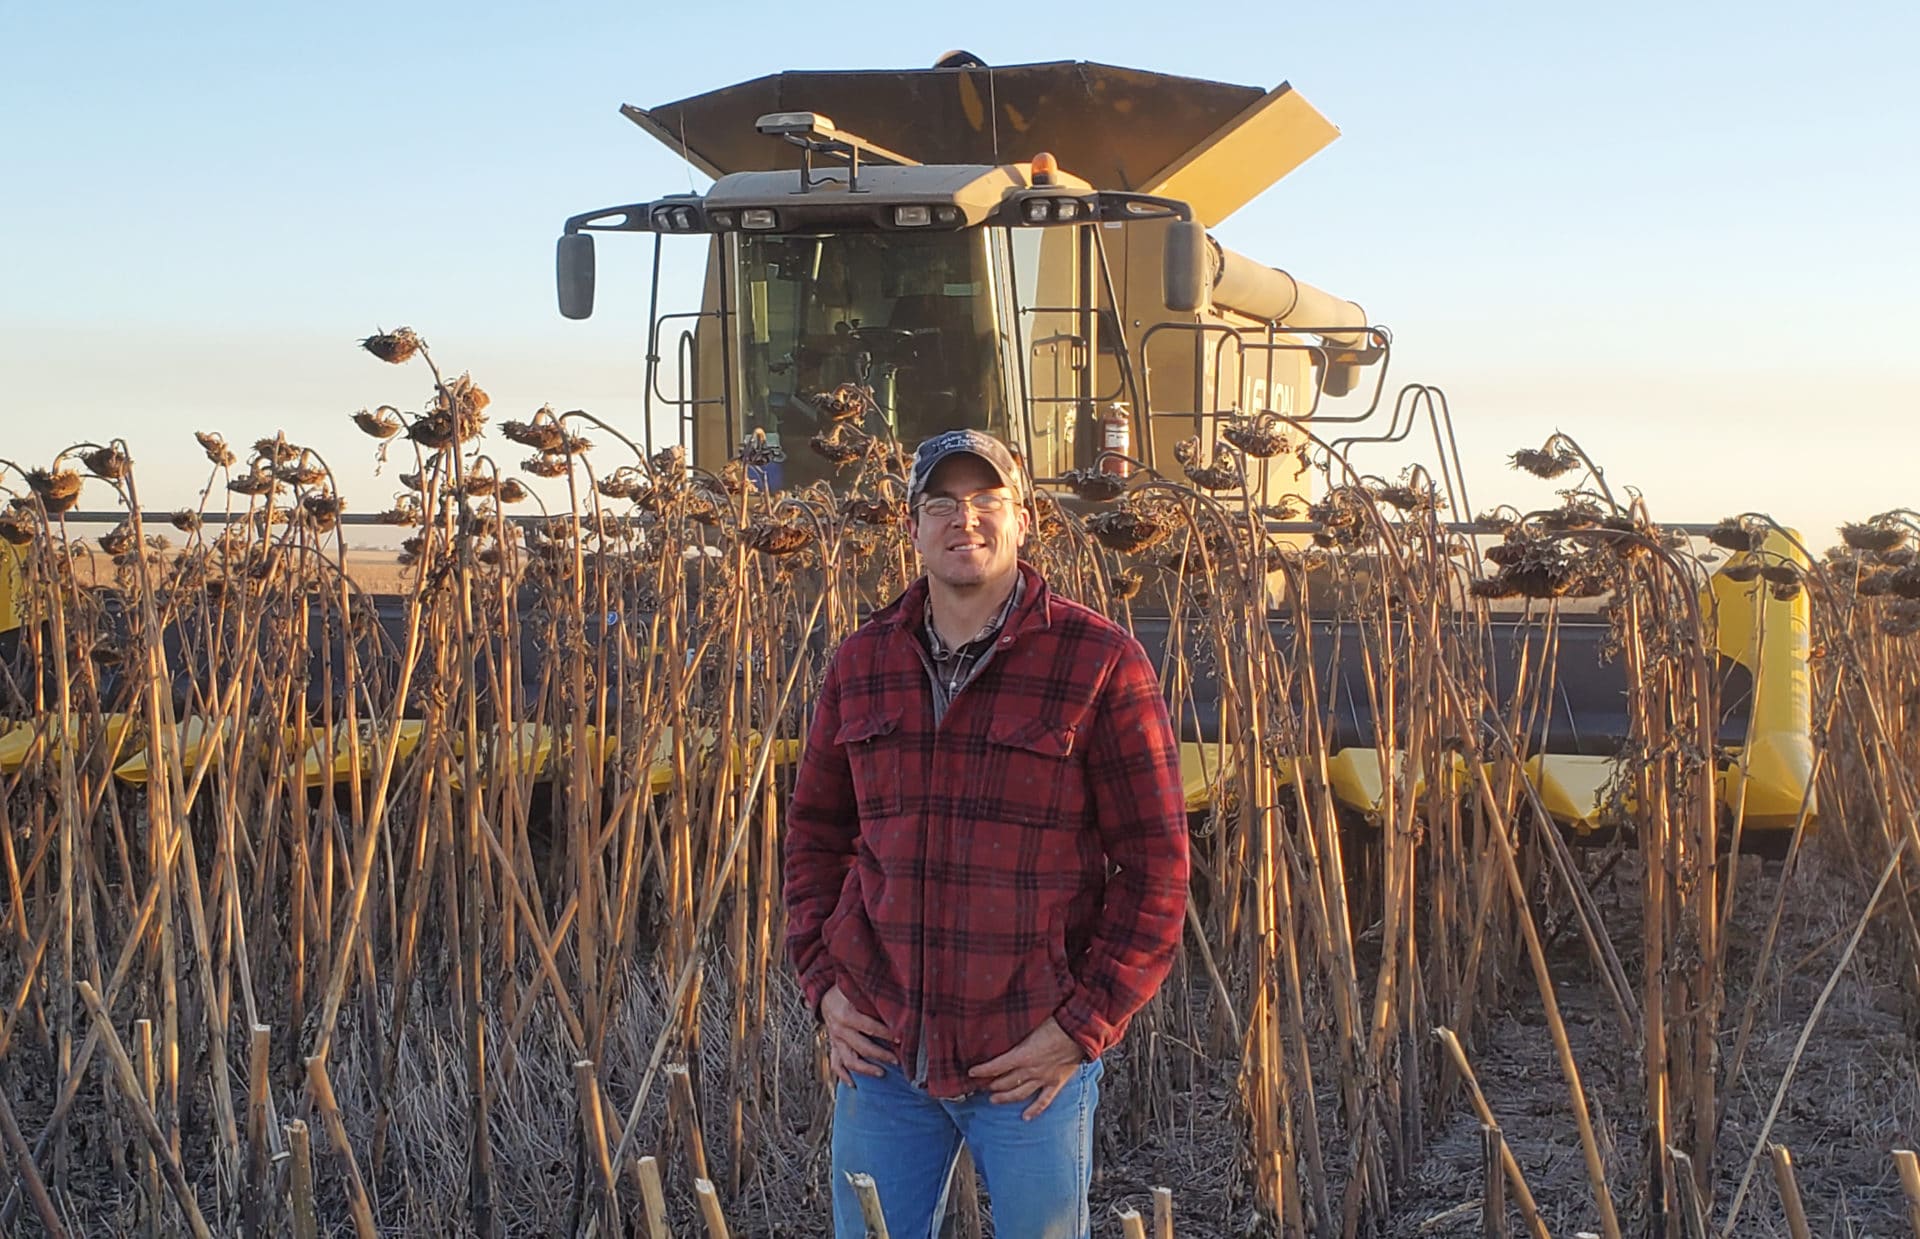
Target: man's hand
851 1044
1038 1067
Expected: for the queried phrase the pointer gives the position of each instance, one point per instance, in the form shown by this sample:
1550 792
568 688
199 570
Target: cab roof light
759 219
1045 168
1037 210
804 124
675 217
912 216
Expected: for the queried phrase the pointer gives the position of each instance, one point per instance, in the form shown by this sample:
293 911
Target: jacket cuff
815 986
1079 1019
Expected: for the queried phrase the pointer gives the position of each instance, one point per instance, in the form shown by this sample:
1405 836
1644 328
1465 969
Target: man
986 865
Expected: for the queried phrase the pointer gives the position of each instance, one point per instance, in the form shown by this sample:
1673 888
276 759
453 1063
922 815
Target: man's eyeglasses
942 506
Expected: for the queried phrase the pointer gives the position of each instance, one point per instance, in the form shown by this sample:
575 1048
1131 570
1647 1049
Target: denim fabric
1036 1172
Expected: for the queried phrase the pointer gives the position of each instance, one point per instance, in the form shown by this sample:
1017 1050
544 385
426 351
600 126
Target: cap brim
1010 481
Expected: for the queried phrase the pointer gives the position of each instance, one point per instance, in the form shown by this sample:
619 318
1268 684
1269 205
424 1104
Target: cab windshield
908 315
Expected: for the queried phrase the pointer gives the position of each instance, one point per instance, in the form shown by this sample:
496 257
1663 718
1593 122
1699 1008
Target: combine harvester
1026 250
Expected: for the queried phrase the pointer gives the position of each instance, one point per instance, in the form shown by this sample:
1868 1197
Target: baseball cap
953 442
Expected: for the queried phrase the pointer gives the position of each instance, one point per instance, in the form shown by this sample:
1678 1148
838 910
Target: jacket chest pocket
1033 773
872 743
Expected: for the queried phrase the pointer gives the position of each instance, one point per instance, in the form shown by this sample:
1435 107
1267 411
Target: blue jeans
1037 1172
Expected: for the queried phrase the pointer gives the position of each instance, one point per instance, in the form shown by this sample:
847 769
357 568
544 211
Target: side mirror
573 273
1187 274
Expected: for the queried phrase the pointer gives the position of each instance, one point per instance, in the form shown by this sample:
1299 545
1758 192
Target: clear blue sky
1681 232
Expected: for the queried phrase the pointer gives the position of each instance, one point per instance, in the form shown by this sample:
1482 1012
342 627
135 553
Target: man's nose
966 515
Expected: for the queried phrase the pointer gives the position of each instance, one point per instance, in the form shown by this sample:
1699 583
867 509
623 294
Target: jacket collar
1035 610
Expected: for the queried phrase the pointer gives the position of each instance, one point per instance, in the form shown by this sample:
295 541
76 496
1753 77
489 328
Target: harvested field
444 911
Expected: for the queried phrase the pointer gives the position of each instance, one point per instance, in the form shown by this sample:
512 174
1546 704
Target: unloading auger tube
1232 281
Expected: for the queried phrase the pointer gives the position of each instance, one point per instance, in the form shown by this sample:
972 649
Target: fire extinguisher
1116 436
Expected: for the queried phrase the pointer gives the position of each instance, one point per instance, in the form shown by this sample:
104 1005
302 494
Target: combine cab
1025 250
886 236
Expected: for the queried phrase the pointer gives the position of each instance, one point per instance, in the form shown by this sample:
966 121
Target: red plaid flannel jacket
1028 858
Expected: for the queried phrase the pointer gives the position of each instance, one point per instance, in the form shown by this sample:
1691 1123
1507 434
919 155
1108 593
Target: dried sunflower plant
456 906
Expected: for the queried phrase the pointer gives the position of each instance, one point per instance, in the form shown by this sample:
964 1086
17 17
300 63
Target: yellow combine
1025 250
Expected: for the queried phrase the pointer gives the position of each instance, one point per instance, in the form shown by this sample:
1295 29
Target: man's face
968 549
